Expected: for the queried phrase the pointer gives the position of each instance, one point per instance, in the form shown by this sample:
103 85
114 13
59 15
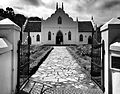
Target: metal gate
23 72
97 64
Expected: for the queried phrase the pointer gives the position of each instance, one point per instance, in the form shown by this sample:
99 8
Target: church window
59 20
49 35
81 37
38 37
69 35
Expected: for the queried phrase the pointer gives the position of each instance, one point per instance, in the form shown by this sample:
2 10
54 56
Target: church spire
57 6
62 6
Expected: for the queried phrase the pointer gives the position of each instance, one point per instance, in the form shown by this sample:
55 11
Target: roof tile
33 26
85 26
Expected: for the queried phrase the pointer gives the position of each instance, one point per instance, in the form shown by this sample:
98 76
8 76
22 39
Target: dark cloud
17 7
86 5
110 4
33 2
102 10
79 8
52 5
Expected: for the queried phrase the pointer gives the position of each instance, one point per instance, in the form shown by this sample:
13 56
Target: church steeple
62 6
57 6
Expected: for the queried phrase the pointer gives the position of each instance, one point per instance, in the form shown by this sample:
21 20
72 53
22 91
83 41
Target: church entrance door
59 38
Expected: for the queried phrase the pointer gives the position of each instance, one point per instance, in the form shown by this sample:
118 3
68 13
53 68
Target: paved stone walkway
61 71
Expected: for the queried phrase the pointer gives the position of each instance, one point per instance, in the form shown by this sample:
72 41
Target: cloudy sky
101 10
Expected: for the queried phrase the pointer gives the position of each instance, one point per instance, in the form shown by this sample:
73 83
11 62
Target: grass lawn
83 54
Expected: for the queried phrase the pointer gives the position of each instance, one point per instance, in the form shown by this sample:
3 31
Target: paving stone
62 70
50 78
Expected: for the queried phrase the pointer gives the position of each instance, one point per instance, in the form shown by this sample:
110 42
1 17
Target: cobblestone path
61 72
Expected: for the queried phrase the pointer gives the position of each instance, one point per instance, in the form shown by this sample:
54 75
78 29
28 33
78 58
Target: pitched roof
34 19
7 22
33 26
112 21
85 26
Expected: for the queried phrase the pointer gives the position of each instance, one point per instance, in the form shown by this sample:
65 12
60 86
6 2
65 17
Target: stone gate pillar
10 31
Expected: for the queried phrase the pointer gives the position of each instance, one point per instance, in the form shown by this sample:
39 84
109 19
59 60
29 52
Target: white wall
115 73
51 24
85 37
104 36
54 33
108 35
33 37
5 72
116 82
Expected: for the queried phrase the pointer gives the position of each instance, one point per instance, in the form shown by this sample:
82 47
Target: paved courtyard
61 72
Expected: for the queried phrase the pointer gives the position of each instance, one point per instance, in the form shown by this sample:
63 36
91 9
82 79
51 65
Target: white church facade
60 29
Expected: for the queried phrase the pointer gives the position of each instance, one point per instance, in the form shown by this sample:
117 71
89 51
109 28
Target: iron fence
97 64
23 64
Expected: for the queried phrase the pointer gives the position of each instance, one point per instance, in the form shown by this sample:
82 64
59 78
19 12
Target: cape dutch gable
61 29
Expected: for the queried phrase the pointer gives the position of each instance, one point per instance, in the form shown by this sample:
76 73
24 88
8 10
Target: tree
34 19
19 19
10 11
2 12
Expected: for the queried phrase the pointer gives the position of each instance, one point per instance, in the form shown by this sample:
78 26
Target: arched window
49 35
38 37
69 35
81 37
59 20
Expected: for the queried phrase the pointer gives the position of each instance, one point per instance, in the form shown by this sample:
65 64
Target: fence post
18 67
29 42
103 54
92 53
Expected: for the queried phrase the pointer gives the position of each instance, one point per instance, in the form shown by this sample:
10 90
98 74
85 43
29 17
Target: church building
60 29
